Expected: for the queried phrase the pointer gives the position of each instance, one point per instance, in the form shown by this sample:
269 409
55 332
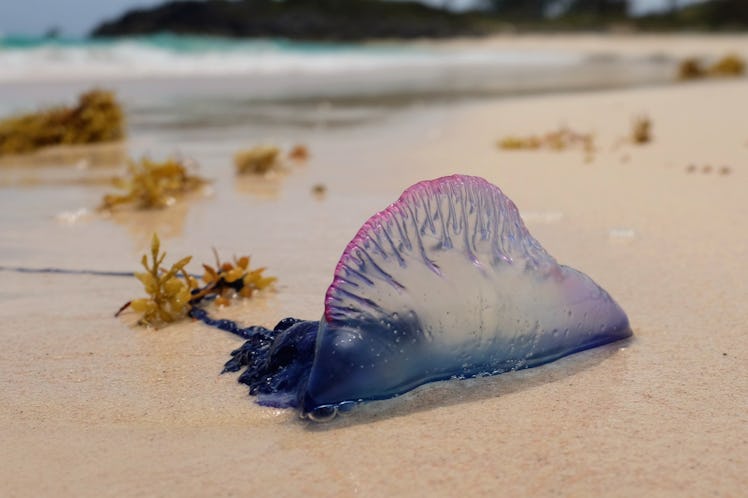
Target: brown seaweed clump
227 280
558 140
299 153
174 293
641 131
150 184
691 68
729 65
257 160
97 117
169 295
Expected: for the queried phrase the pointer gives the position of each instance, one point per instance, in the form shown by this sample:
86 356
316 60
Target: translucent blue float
445 283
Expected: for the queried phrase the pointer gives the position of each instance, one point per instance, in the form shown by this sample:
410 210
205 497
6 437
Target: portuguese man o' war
446 282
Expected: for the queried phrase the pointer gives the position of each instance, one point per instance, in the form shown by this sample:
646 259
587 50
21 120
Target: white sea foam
171 56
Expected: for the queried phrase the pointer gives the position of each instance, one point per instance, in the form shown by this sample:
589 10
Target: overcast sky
78 17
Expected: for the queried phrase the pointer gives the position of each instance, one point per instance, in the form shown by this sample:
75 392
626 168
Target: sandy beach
94 406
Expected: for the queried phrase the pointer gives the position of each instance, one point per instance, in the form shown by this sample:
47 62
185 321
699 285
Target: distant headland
333 20
356 20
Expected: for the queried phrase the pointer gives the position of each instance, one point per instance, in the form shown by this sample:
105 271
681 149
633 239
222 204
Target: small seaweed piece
561 139
169 296
150 184
97 117
729 65
257 160
641 130
299 153
691 68
227 279
520 143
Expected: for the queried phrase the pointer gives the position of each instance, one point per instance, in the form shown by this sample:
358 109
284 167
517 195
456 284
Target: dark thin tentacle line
68 271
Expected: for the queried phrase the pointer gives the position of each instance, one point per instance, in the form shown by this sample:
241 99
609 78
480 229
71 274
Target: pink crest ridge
430 187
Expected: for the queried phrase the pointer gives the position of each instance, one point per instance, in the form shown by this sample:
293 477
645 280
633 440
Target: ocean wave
29 59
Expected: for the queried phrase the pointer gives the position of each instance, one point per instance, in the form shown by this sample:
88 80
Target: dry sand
92 407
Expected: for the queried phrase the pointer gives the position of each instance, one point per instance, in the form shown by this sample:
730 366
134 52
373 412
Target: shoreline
271 70
603 62
641 44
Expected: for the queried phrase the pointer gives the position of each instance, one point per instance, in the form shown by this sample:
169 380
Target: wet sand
91 406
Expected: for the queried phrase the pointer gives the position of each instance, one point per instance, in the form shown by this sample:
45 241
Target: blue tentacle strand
276 362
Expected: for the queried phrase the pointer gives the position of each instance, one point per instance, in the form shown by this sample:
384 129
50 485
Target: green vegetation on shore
352 20
295 19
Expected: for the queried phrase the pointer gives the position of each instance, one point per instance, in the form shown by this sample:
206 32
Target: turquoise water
184 44
34 59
